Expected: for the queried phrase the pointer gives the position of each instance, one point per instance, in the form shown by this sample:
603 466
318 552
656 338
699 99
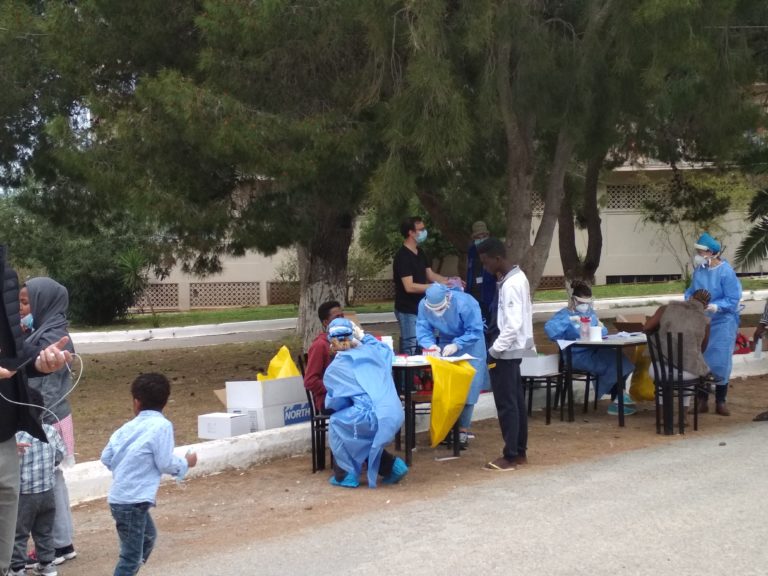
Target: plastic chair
318 424
669 384
531 383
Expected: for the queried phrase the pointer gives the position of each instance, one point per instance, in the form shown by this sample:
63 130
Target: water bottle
586 322
758 348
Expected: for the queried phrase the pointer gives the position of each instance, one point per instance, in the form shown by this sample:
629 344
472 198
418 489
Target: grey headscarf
48 302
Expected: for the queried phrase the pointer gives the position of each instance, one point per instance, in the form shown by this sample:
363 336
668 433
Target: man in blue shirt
138 454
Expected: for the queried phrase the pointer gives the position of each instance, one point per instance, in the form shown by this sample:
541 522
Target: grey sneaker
45 570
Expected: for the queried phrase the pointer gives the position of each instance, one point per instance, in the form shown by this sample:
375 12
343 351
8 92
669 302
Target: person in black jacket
17 360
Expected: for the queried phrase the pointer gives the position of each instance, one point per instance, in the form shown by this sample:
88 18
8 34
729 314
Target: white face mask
582 308
699 260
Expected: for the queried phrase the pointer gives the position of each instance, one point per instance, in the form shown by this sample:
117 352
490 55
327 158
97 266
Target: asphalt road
693 507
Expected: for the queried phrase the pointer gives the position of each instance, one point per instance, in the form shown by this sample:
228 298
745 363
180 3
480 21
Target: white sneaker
62 557
45 570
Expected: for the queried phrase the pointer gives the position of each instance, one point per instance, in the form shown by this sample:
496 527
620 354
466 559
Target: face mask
28 323
421 236
479 241
699 260
582 308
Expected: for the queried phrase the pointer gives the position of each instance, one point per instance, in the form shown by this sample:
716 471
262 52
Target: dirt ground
284 497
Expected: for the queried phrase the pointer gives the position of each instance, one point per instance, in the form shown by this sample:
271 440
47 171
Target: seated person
455 317
601 362
367 412
319 356
688 318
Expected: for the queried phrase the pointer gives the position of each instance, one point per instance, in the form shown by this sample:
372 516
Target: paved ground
695 507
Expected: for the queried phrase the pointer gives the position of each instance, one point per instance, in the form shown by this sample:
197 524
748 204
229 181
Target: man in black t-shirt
412 275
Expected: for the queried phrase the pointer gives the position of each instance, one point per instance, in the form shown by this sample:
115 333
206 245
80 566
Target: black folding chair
670 385
318 424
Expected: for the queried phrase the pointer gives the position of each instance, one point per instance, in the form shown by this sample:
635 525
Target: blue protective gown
725 289
564 325
462 324
368 412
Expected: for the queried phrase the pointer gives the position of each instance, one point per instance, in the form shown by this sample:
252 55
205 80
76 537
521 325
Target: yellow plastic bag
449 394
281 366
642 387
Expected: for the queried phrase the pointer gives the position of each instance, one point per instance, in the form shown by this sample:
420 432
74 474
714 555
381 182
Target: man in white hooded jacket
514 318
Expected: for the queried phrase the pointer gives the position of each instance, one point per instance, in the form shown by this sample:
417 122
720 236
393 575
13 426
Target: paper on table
623 335
458 358
563 344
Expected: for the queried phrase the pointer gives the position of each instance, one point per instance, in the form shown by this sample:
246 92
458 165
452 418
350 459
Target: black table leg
620 384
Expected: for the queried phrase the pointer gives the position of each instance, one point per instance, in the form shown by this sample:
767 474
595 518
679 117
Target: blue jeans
407 323
137 535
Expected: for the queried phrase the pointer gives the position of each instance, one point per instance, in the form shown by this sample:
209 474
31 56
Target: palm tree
754 246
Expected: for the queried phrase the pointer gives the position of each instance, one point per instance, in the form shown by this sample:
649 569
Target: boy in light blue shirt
138 454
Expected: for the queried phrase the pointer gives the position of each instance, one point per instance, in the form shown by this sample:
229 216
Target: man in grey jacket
514 318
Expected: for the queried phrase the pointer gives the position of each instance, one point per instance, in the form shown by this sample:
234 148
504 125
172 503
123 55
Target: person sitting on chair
565 324
367 412
690 319
319 355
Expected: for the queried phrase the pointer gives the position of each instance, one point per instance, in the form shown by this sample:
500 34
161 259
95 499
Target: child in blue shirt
138 454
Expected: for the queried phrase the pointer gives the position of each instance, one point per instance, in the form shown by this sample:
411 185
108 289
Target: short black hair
492 247
151 390
409 224
324 310
581 289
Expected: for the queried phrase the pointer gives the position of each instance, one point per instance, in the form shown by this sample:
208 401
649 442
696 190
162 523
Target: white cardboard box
274 416
222 425
253 394
540 365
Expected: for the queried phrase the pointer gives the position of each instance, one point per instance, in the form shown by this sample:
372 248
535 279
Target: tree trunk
323 268
458 238
536 257
573 267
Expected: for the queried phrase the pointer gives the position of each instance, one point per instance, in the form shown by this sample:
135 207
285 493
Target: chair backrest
664 368
301 362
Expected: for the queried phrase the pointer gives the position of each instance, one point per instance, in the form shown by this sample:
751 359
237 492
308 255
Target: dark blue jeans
408 343
137 535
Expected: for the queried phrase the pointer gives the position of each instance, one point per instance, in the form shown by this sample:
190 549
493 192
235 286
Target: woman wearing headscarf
367 409
43 309
716 276
455 317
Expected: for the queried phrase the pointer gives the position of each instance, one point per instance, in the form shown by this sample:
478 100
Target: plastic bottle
584 325
759 348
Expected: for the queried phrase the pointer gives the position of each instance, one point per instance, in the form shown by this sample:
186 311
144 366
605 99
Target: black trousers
509 396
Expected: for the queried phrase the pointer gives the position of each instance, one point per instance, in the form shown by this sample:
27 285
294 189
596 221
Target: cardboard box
630 322
540 365
222 425
274 416
267 404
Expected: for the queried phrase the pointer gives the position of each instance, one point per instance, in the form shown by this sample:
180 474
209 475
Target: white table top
611 340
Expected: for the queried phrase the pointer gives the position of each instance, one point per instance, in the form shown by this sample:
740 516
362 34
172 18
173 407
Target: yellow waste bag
642 387
281 366
451 382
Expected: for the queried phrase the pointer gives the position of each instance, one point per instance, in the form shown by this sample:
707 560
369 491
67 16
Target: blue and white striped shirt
138 454
39 461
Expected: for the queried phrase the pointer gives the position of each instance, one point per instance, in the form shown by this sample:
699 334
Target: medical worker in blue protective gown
367 409
565 324
451 319
718 278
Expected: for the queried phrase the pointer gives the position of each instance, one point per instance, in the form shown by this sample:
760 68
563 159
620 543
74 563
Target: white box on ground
269 404
540 365
274 416
222 425
256 394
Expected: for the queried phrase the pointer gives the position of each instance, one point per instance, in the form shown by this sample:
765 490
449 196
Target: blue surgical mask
421 237
479 241
28 323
